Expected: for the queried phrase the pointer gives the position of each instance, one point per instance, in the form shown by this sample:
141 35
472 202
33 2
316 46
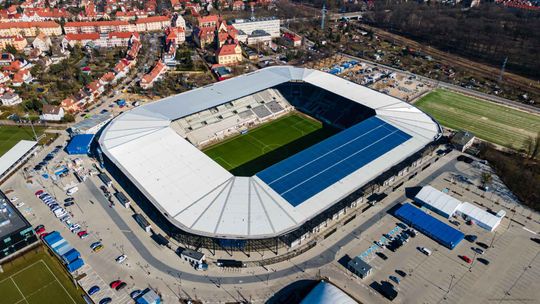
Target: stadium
259 160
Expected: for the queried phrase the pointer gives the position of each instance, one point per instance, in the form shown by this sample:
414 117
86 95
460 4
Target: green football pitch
495 123
37 278
247 154
11 135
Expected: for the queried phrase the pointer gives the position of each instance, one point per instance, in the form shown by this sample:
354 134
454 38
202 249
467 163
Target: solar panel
307 173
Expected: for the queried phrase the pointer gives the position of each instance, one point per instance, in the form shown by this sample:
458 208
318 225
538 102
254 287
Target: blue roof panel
430 226
309 172
80 144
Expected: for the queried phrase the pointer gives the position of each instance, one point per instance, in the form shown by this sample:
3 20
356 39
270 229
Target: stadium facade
204 205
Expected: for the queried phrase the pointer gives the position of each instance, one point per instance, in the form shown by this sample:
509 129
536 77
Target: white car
121 258
19 205
14 199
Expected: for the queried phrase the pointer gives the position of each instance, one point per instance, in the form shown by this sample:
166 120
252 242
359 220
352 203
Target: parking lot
513 264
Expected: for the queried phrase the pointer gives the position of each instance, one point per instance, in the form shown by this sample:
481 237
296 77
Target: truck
230 263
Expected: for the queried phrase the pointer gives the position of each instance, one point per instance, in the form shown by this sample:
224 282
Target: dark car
465 159
401 273
382 255
483 245
68 204
94 289
471 238
69 199
134 294
105 301
536 240
483 261
121 286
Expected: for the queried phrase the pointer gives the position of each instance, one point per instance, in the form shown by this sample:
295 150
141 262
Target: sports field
247 154
36 278
489 121
11 135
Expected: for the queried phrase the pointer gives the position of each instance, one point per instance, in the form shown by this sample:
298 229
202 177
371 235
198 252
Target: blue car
94 245
134 294
93 290
105 301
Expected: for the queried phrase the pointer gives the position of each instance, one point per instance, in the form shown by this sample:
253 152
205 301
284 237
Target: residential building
18 42
30 29
154 23
229 54
51 113
204 36
131 15
70 105
6 59
10 99
20 77
257 37
4 77
293 39
81 39
42 42
155 74
116 39
238 6
99 27
176 35
178 21
248 26
208 21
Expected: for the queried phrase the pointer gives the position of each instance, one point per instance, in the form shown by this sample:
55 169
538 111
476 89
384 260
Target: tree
486 179
11 49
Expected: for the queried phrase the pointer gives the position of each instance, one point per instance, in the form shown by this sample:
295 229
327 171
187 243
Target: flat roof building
92 124
15 231
359 267
437 201
13 158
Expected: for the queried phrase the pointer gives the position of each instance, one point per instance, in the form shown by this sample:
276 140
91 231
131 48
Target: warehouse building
359 267
15 157
91 125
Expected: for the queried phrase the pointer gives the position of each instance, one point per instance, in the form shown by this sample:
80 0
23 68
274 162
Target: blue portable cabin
430 226
71 255
63 249
52 237
58 244
75 265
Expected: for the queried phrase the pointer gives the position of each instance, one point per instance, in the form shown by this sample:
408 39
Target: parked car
395 279
121 286
134 294
466 259
39 192
94 289
121 258
40 231
82 234
454 222
382 255
483 245
465 159
483 261
39 227
14 199
105 300
95 244
69 199
115 284
97 248
71 203
471 238
401 272
478 250
425 251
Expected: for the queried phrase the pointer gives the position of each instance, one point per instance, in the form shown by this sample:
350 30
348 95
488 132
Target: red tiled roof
42 24
207 19
83 36
152 19
227 49
123 35
96 23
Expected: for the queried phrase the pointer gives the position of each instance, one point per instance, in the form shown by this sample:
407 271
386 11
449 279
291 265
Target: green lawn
247 154
11 135
37 278
489 121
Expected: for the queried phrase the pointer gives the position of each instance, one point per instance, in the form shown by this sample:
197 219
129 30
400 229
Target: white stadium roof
325 293
199 196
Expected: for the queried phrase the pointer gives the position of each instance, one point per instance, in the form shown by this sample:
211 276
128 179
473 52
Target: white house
51 113
10 99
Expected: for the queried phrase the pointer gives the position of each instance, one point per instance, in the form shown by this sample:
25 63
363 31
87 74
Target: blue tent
80 144
430 226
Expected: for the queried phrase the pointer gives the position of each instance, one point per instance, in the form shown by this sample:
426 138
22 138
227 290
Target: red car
39 192
41 236
115 284
466 259
40 231
82 234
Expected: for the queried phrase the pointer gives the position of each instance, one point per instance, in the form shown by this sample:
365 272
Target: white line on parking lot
529 230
